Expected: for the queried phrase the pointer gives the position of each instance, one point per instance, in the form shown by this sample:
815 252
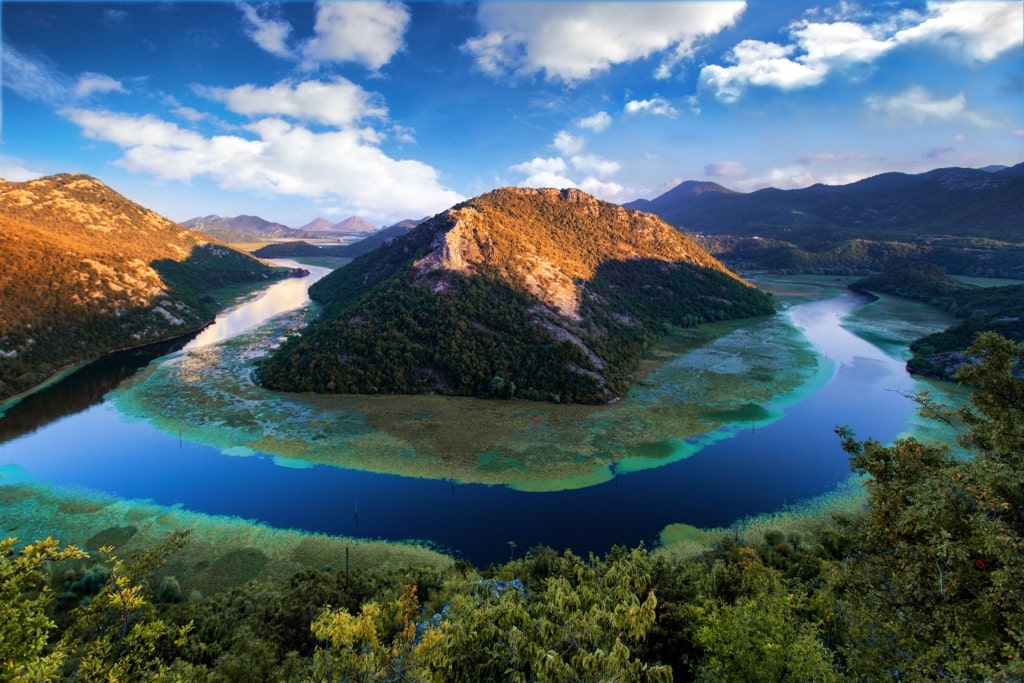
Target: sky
397 110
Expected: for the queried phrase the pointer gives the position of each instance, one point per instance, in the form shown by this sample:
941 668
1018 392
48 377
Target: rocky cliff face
548 294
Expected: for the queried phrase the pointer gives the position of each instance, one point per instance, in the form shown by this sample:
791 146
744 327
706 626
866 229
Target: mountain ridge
84 271
541 294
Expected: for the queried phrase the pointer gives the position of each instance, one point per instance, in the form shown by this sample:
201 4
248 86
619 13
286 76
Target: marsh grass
221 552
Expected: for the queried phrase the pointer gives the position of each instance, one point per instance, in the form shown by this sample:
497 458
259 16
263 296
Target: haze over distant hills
542 294
244 228
84 271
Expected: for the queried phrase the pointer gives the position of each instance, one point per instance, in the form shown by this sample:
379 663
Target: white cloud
31 78
596 122
337 103
538 165
915 105
725 169
91 83
342 167
13 170
1019 133
270 34
573 41
973 31
608 191
655 107
369 33
567 143
831 158
593 164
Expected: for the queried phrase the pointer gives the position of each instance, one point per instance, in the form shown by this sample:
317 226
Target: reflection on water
718 429
282 296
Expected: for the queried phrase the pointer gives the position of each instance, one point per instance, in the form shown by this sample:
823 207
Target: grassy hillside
537 294
84 271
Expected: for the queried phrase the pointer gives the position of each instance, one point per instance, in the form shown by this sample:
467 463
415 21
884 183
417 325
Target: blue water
759 469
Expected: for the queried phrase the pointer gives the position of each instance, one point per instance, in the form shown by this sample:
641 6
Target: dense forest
998 309
535 294
84 271
925 584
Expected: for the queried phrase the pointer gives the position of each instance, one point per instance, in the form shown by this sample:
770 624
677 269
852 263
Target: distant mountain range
540 294
292 249
936 216
944 201
84 271
240 229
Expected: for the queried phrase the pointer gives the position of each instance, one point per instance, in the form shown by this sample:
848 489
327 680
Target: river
205 455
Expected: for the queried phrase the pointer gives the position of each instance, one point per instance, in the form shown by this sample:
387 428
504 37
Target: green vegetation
84 271
530 294
995 309
924 585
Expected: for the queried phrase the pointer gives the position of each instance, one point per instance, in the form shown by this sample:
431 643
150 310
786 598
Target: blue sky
399 110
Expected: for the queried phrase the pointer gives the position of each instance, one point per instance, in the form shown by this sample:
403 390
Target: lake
729 421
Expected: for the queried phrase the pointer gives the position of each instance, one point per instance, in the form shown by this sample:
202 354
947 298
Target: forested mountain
239 228
542 294
84 271
983 309
967 220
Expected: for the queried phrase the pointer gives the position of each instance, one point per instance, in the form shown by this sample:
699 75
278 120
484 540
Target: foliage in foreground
926 585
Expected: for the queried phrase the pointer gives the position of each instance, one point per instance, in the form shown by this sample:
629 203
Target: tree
934 587
25 626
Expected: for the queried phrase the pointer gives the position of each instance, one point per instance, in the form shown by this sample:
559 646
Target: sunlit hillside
83 271
542 294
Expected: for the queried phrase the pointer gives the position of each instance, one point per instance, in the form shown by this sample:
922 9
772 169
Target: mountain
84 271
884 207
352 224
947 216
319 224
352 250
239 228
539 294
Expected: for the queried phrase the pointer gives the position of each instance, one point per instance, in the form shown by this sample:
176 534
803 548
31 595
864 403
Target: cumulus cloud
595 165
972 31
567 143
574 41
273 156
91 83
338 102
656 106
975 32
596 122
369 33
725 169
916 105
269 33
540 165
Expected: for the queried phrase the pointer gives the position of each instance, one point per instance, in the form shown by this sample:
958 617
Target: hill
541 294
352 250
351 225
992 309
84 271
966 220
239 228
